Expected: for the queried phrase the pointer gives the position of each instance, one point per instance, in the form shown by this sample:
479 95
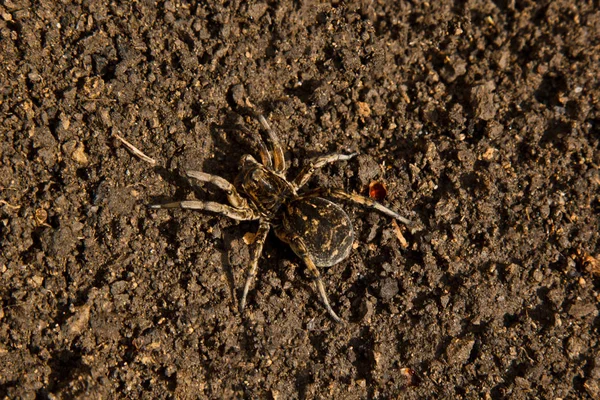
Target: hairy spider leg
240 214
317 163
259 240
298 246
364 201
278 157
263 151
233 196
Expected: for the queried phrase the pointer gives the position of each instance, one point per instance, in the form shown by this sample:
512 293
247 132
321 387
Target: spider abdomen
323 226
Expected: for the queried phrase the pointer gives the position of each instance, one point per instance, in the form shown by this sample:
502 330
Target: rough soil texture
481 118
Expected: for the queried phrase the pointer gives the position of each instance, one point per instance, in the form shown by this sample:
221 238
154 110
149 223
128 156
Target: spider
318 230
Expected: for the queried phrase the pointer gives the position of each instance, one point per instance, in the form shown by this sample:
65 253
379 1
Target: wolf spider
316 229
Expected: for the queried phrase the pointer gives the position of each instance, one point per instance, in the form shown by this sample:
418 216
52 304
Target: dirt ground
480 117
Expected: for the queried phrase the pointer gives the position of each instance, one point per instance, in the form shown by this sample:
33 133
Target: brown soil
481 118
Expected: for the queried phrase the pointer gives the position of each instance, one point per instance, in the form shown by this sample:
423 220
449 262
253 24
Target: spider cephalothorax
317 230
266 189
